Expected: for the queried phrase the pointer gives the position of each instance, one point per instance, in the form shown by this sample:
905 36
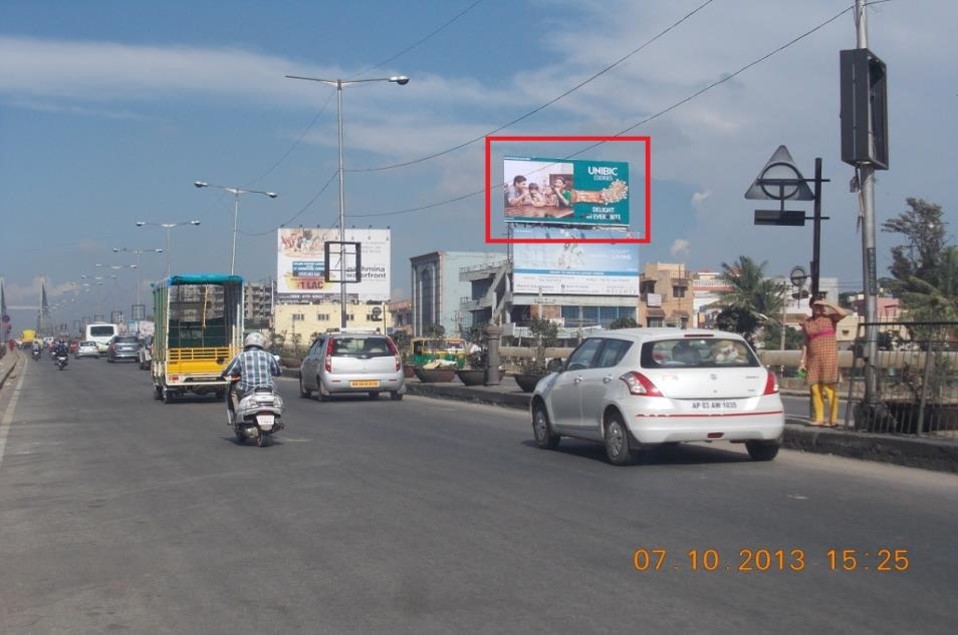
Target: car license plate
364 383
713 405
265 421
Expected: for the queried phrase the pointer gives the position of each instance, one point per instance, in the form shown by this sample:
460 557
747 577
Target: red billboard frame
647 233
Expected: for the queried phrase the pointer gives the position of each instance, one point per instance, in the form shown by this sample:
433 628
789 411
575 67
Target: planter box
528 382
409 371
472 377
435 375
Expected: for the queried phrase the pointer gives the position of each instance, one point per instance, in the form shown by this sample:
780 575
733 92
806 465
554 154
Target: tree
623 323
925 268
739 320
546 334
402 341
752 301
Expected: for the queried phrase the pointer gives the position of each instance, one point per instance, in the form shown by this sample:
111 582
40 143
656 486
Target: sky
110 110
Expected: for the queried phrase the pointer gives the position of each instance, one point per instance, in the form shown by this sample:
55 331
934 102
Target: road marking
11 408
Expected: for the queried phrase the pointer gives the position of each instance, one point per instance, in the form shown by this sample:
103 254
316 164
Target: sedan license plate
265 421
713 405
364 383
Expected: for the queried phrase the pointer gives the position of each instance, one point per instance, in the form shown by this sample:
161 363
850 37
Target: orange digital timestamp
764 560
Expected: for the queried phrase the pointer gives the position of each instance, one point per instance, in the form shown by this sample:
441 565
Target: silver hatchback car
644 387
352 362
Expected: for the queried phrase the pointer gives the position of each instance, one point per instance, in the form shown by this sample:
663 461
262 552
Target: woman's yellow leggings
827 391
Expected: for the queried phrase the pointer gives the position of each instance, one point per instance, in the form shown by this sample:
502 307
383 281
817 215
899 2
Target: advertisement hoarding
301 266
565 191
575 268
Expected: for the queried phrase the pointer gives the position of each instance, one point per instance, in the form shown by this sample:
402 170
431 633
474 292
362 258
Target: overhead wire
542 107
300 212
658 114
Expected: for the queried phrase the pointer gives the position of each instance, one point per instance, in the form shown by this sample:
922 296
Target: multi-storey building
438 291
258 305
665 295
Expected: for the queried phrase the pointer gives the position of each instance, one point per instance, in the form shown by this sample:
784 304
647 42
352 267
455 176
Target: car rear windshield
87 343
126 340
369 346
698 352
100 331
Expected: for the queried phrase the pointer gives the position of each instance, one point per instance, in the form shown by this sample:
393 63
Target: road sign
780 180
779 217
797 276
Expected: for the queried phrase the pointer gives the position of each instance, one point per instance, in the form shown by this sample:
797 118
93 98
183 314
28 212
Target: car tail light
639 384
771 384
395 353
329 355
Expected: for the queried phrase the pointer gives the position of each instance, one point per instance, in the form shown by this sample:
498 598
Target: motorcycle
36 354
258 415
61 361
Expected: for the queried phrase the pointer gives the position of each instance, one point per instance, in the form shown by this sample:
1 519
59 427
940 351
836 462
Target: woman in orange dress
820 360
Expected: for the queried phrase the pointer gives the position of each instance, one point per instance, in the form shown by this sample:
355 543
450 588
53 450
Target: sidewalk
928 454
7 364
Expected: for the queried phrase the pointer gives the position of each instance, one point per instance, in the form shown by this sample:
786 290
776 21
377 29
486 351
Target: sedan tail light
395 353
329 355
771 384
639 384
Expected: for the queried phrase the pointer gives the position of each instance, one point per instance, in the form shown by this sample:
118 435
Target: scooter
61 361
36 354
258 415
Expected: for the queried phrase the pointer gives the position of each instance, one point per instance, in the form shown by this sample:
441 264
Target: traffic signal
864 108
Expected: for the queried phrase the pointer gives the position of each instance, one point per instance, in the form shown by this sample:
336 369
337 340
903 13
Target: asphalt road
120 513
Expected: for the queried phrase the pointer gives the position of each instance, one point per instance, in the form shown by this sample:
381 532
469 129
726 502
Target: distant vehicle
101 333
123 347
87 349
26 337
352 362
635 388
74 345
146 353
426 349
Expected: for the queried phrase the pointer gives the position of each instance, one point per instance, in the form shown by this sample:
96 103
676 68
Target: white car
632 388
352 362
87 349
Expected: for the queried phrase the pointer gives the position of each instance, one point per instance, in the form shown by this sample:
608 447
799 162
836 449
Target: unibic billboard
301 264
567 192
575 267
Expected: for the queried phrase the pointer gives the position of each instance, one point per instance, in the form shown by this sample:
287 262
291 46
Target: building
258 304
438 290
665 295
296 325
400 316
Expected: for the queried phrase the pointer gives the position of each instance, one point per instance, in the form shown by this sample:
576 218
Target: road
120 513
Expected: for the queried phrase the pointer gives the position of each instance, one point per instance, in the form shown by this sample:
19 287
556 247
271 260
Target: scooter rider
255 367
37 349
60 349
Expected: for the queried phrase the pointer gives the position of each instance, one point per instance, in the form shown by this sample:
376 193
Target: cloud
698 200
679 248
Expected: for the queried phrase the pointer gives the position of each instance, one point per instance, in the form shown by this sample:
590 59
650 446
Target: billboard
565 191
575 268
301 264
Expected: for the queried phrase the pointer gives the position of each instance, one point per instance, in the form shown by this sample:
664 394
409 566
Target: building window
349 317
655 322
322 317
298 317
678 292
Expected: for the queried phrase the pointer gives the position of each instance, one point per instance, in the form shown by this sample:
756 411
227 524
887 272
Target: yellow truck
26 337
199 329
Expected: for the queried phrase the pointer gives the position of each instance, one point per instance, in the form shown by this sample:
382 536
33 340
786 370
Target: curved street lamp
168 227
400 80
236 192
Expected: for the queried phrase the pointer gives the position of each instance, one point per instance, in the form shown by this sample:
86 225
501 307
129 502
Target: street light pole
401 80
236 192
169 245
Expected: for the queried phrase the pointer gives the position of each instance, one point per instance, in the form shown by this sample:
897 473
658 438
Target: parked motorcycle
257 417
61 362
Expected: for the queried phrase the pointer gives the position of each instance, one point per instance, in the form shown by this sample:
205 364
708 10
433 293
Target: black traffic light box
864 108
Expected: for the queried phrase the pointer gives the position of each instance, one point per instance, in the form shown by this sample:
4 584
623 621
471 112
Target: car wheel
395 396
542 429
304 392
617 441
374 395
762 450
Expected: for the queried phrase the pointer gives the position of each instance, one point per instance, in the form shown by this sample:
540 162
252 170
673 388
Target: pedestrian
820 361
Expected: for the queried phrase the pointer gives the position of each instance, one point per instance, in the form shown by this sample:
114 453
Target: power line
677 104
538 109
300 212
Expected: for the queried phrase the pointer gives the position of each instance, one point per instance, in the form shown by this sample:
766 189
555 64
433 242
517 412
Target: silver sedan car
633 388
352 362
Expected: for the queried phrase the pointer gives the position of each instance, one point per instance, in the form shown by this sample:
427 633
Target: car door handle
607 379
577 380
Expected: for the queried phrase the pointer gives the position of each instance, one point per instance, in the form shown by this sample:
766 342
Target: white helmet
255 339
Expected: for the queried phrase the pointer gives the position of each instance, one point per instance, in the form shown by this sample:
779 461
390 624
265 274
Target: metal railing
917 387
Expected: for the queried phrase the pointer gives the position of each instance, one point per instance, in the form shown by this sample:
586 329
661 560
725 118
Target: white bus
101 333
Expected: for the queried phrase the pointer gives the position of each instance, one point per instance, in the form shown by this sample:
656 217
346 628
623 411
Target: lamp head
116 250
194 222
140 223
402 80
272 194
200 183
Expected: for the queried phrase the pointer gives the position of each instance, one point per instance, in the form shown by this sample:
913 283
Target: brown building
665 295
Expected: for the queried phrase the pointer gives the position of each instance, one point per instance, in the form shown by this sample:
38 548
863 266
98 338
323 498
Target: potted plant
546 334
436 372
403 342
474 372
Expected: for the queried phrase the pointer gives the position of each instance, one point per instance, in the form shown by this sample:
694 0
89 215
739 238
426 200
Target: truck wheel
167 395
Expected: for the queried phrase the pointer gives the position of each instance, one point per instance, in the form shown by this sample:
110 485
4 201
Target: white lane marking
11 409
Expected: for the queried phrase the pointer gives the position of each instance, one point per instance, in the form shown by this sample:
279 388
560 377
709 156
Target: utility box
864 108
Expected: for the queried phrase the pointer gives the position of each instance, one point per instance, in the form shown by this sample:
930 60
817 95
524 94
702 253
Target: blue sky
110 110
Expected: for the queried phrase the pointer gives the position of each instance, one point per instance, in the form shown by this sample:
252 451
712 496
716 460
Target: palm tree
751 290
